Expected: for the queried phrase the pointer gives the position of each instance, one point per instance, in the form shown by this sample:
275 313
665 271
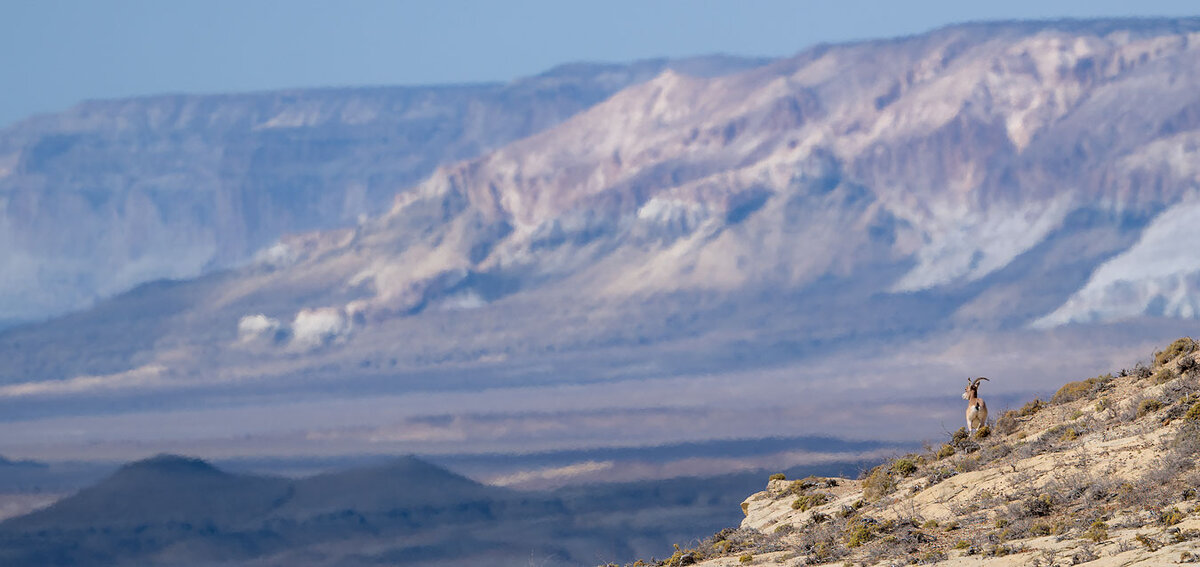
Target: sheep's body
976 408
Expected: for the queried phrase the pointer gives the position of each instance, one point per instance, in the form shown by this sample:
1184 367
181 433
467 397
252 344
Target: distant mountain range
172 510
113 193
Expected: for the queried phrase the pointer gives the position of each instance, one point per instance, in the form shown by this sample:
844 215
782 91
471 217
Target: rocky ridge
1102 474
112 193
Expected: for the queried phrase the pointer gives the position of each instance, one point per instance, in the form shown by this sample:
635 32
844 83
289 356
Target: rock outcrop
1105 473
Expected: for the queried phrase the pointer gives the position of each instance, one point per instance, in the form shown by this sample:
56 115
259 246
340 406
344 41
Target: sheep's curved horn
975 384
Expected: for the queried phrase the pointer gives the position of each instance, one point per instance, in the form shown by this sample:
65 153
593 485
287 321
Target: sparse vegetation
1031 408
1097 532
1180 347
945 451
1148 406
878 483
810 501
1080 499
779 476
904 467
1165 375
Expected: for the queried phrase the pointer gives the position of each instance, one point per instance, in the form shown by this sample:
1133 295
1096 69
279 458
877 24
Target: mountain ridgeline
113 193
983 176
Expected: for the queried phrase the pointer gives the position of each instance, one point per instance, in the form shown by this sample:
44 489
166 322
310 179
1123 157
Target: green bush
778 476
746 558
904 467
809 501
858 534
1193 413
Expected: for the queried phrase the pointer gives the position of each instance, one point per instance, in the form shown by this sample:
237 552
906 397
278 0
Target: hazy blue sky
54 53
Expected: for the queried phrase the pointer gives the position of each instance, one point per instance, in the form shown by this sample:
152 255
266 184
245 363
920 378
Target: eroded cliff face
110 194
923 165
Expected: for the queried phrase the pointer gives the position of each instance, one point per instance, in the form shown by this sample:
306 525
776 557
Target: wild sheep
976 408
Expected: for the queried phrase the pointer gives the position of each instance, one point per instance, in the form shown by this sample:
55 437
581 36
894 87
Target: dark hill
404 483
162 489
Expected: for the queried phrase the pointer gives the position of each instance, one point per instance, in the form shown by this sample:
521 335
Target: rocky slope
1102 474
113 193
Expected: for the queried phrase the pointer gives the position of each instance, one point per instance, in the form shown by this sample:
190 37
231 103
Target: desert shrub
1165 375
1142 372
822 543
931 557
1170 517
959 436
1148 406
1033 448
1186 442
904 467
1098 531
779 476
798 487
983 432
947 450
934 476
861 531
1181 346
746 558
1007 424
1038 506
878 483
1193 413
810 501
930 524
1031 408
1149 542
1188 364
1069 434
995 451
1071 391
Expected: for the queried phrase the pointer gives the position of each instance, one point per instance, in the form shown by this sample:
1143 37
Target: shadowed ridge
401 483
164 488
168 464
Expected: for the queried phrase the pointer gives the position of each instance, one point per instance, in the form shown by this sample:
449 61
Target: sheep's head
972 388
